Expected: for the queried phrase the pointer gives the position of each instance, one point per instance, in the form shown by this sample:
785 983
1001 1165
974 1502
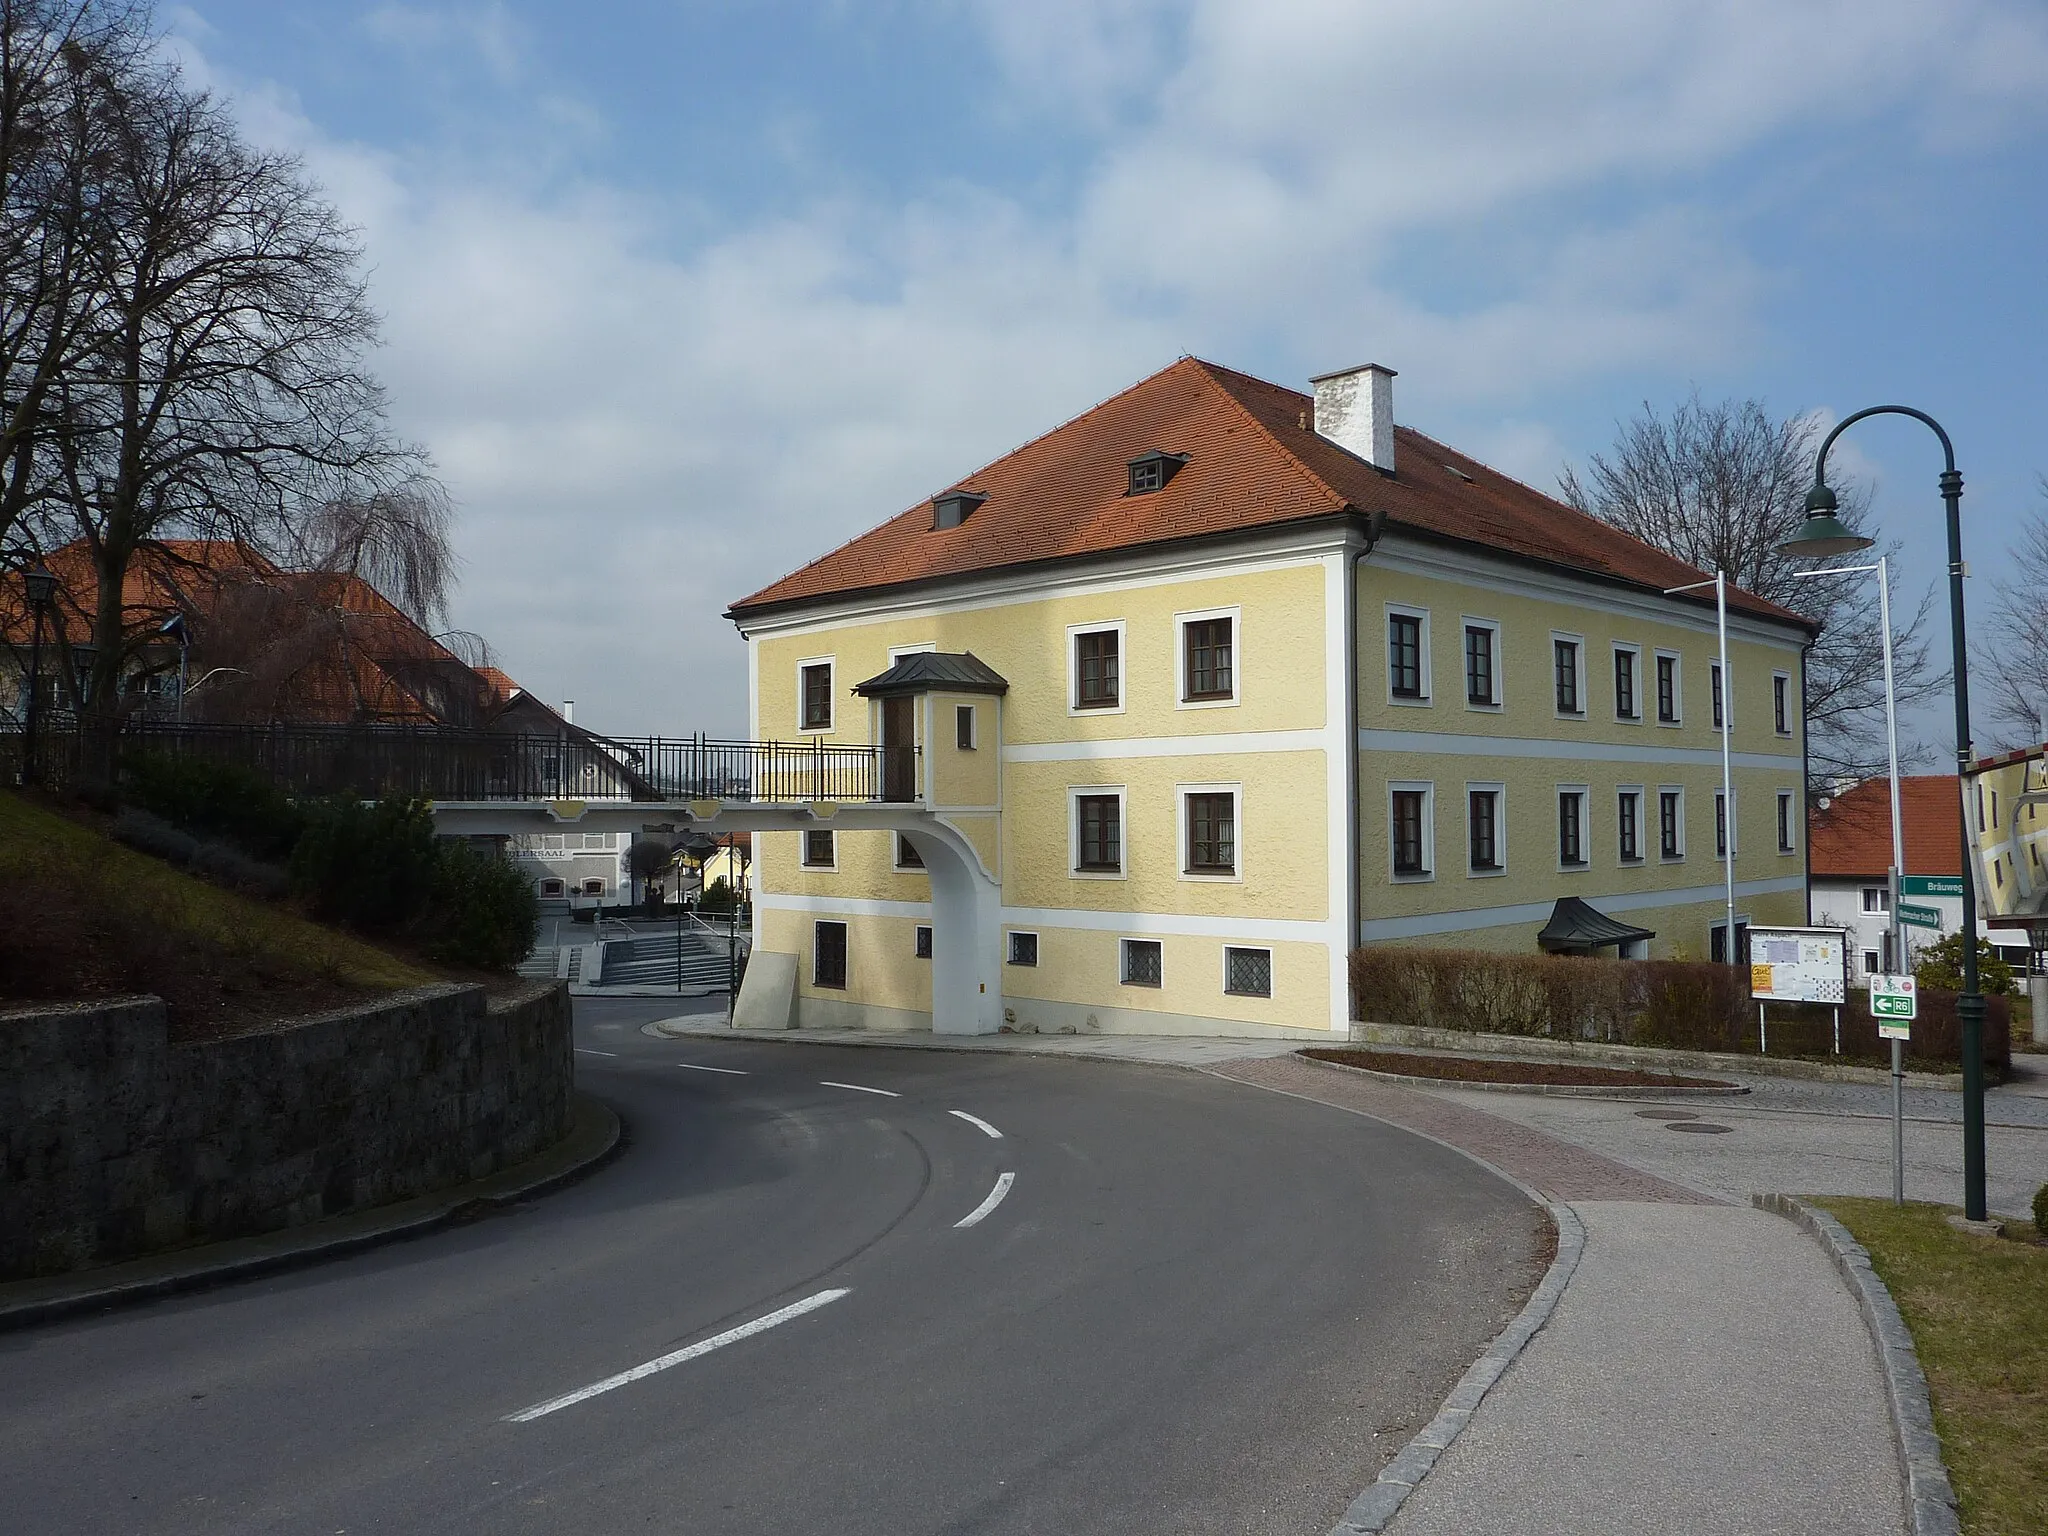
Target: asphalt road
1196 1307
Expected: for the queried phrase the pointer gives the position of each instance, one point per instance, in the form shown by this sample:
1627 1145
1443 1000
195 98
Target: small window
1151 471
551 888
1720 825
1571 828
593 887
1667 690
1671 824
907 856
1141 966
1410 831
1247 972
1628 818
924 941
1404 655
963 727
1098 678
1720 709
819 852
1100 835
1023 949
817 696
828 955
1208 660
1626 705
1785 838
1483 830
1480 664
1564 657
1876 899
1212 833
1870 962
1781 703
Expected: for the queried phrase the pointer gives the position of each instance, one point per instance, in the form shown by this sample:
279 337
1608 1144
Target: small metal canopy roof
1575 927
934 671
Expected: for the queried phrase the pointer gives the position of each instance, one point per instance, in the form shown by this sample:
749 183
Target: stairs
649 960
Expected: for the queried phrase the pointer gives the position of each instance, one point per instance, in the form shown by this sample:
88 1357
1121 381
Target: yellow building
1177 704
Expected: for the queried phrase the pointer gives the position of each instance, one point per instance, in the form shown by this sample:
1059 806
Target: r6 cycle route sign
1894 1003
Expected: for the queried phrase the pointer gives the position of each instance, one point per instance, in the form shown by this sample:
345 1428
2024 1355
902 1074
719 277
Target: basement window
1151 471
952 508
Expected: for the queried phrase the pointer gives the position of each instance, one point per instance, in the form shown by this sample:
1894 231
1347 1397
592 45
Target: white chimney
1355 410
569 710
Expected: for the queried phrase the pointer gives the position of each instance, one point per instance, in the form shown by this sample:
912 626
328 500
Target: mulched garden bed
1549 1074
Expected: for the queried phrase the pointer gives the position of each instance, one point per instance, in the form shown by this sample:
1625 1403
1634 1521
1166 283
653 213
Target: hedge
1678 1004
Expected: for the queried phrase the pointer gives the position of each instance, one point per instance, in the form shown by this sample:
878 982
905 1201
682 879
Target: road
1196 1306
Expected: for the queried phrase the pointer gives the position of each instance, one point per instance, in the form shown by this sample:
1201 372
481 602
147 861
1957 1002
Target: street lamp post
1720 586
1825 534
1898 871
41 588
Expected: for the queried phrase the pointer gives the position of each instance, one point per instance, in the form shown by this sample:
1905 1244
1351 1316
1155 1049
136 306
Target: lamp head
1823 533
41 585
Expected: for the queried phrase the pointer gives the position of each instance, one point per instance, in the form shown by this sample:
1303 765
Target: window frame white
831 666
1726 686
1123 675
921 942
1010 937
1181 792
1788 822
1260 949
845 982
1781 693
1726 821
1235 614
1423 662
1428 873
1123 832
1499 791
1677 660
1578 642
1614 649
1123 960
1583 793
896 846
1679 824
1621 791
1498 702
803 849
970 714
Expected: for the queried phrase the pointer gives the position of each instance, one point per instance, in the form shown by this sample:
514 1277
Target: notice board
1798 965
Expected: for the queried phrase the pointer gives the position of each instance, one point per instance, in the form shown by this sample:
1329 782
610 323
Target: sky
679 296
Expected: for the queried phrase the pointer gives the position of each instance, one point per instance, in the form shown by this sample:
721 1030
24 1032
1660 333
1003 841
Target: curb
1544 1090
919 1041
1930 1498
1371 1511
595 1137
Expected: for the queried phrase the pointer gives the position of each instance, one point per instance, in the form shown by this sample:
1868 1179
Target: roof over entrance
1575 925
940 671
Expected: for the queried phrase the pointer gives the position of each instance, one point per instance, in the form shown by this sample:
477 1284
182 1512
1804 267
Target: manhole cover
1701 1127
1665 1114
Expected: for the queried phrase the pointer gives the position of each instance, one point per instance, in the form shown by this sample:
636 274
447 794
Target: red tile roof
1852 838
1253 462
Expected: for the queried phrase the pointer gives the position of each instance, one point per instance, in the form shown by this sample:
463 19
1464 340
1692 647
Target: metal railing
438 763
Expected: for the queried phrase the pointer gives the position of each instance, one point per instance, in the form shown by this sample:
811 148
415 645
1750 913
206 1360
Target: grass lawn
81 916
1978 1311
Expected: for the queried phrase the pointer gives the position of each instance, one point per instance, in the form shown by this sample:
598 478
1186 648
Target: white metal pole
1898 927
1727 779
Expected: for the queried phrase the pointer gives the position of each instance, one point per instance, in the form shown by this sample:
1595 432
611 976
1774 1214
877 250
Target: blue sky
681 295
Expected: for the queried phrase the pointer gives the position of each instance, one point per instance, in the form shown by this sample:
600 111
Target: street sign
1796 965
1933 885
1894 1003
1919 917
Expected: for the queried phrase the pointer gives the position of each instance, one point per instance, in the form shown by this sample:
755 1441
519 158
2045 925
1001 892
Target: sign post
1895 1003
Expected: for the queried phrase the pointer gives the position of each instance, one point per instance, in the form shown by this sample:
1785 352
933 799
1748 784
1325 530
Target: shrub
219 862
225 800
717 897
371 866
482 911
1941 965
2041 1210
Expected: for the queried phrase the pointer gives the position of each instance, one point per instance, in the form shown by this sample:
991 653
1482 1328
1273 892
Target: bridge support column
967 939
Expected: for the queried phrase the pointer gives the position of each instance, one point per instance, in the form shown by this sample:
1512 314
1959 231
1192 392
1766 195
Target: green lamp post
1826 534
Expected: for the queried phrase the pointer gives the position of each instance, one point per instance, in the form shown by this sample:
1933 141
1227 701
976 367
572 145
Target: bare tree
224 395
1720 486
2016 659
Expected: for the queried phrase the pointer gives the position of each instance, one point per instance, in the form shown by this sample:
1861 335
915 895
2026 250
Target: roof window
1151 471
952 508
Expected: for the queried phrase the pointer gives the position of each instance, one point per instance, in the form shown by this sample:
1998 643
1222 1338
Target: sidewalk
1706 1372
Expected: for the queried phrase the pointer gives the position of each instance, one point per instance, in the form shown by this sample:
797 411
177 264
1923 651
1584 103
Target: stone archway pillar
967 938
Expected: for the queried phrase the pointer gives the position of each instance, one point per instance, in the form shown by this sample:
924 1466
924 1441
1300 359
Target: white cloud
639 433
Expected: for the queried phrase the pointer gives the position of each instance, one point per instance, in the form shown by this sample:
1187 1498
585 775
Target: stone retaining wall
115 1143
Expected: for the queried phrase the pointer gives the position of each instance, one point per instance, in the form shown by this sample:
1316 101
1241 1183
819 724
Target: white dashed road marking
977 1122
691 1066
857 1088
995 1198
730 1336
584 1050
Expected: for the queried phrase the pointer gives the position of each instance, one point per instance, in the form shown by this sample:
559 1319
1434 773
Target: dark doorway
899 748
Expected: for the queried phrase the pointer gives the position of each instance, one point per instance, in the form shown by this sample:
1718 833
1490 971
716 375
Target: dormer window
1151 471
952 508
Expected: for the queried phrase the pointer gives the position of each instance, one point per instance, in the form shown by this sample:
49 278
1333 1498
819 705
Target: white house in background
1850 845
